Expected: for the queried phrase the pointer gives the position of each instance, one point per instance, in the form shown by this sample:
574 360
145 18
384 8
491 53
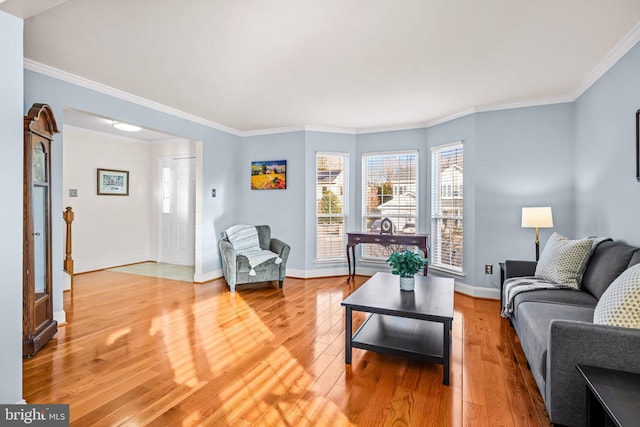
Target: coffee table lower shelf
404 337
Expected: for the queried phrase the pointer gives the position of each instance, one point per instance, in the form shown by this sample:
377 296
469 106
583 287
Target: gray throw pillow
562 260
620 303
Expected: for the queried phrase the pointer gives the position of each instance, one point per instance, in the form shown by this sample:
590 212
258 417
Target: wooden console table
419 240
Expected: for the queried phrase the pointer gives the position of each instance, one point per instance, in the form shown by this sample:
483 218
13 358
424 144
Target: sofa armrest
570 343
228 261
281 248
517 268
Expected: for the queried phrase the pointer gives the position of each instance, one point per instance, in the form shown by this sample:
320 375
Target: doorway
177 210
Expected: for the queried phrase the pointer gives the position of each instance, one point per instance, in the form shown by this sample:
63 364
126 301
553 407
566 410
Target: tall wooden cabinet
38 324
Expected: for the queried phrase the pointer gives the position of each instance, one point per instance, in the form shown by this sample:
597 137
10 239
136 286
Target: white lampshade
537 217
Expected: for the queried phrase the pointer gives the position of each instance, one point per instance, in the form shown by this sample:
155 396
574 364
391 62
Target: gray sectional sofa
557 332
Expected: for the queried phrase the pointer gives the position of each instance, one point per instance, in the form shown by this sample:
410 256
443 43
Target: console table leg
347 335
349 264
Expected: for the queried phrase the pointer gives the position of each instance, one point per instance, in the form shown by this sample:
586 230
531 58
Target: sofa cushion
635 259
620 303
556 296
532 326
562 260
608 261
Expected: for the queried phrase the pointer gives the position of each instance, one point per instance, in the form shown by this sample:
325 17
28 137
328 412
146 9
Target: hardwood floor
146 351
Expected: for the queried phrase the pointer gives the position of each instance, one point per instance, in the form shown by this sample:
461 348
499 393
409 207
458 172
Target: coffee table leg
347 335
446 353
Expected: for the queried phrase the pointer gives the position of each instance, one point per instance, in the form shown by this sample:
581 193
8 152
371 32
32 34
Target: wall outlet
213 192
73 192
488 269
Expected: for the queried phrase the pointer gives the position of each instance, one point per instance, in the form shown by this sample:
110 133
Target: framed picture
638 145
113 182
269 175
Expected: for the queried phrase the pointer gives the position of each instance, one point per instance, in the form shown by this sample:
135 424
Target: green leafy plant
406 263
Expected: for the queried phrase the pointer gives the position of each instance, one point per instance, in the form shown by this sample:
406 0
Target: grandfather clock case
38 324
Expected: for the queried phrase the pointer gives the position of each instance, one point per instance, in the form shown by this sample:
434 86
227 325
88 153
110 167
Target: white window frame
438 194
338 255
364 192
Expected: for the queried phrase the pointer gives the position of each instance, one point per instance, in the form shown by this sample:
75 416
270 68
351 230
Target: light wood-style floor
146 351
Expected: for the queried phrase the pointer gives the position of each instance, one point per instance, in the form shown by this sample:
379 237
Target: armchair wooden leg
280 282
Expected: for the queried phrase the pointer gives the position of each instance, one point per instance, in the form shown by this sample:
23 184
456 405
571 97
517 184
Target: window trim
345 204
436 192
364 199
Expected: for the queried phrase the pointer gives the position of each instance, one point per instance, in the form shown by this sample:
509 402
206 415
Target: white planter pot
407 283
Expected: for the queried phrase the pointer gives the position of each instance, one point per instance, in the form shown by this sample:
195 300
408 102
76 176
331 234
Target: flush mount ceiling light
126 127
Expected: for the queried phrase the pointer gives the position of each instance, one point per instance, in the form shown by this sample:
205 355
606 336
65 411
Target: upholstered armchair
237 270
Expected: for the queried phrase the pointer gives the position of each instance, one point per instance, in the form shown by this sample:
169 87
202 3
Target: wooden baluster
68 216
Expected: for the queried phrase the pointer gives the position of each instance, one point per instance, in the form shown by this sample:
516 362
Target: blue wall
282 210
217 163
607 194
11 142
577 158
523 157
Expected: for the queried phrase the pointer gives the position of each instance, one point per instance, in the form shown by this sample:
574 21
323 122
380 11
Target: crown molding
522 104
329 129
271 131
621 49
120 94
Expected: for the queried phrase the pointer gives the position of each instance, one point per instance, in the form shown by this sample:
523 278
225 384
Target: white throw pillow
562 260
619 305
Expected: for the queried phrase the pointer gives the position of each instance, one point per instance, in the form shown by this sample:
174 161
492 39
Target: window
389 189
332 182
447 207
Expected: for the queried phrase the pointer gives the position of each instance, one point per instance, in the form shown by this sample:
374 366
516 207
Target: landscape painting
269 175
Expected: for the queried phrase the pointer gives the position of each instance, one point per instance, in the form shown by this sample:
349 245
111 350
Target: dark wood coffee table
408 324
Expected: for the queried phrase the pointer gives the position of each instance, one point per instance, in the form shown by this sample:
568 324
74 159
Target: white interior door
178 211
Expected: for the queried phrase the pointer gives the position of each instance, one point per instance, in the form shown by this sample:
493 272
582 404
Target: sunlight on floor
276 390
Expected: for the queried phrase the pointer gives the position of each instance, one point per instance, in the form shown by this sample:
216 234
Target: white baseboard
207 277
318 272
60 317
21 402
463 288
477 291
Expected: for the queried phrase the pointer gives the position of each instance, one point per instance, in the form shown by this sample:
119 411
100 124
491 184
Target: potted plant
406 264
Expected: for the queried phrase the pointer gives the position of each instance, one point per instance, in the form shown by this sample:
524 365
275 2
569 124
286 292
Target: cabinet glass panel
39 163
40 239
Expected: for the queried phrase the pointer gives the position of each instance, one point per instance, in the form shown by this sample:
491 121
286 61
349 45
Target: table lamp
537 218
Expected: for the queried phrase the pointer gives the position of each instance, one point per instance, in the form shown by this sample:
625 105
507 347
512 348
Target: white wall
107 230
11 143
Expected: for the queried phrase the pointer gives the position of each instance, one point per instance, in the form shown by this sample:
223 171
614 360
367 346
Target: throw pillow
562 260
620 303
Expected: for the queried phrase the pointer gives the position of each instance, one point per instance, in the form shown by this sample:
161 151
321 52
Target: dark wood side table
419 240
613 397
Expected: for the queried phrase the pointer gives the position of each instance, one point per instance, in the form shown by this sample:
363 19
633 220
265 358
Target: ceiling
82 119
355 64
